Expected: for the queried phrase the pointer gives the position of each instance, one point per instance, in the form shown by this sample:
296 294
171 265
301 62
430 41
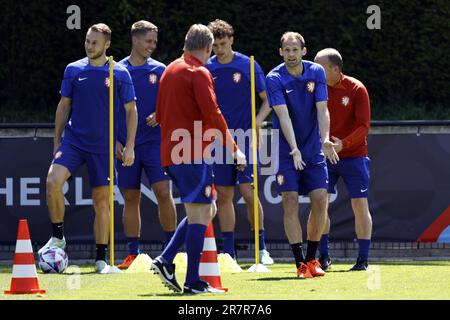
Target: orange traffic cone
209 267
24 276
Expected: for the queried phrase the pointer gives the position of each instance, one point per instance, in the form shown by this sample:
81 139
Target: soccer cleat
199 287
361 265
127 262
325 262
53 242
303 271
100 265
166 272
264 257
315 268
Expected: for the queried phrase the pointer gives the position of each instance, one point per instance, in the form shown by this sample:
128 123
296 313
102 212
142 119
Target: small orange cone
24 276
209 267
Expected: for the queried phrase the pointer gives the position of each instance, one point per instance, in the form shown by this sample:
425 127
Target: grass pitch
385 281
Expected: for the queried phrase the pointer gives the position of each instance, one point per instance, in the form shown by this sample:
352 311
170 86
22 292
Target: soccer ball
53 260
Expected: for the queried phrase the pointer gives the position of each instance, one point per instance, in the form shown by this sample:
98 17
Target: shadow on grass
162 295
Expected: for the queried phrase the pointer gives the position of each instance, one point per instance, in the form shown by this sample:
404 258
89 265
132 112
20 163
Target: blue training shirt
146 83
300 95
88 88
232 88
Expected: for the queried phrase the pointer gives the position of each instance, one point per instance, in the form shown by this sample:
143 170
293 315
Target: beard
95 55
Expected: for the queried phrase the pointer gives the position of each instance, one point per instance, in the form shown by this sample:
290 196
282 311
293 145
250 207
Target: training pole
255 160
111 161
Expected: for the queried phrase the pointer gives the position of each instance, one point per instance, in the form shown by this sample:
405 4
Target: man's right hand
241 161
119 151
298 161
56 146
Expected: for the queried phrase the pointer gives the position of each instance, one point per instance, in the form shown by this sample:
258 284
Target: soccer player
231 73
145 73
349 107
297 92
187 110
85 104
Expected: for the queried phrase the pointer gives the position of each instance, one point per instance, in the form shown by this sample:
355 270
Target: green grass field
385 280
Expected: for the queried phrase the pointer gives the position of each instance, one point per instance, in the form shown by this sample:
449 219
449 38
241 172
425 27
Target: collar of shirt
189 58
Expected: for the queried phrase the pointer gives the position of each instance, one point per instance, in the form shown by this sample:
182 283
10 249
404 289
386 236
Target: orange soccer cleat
127 262
303 271
315 268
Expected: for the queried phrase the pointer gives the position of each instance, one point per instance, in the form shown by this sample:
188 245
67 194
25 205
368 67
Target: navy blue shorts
312 177
72 158
355 173
147 156
194 182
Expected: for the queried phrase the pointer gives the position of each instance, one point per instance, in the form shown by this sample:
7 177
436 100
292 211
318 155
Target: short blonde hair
142 27
103 29
198 37
292 34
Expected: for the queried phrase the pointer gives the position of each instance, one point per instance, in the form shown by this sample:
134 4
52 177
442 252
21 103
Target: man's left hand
328 148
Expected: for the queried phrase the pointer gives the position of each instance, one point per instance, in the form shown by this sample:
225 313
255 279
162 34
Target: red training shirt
349 108
186 94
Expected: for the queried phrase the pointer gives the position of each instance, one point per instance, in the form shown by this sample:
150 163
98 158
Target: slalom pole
255 160
111 161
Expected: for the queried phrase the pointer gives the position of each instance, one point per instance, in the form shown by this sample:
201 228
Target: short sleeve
67 83
259 78
127 93
275 90
321 85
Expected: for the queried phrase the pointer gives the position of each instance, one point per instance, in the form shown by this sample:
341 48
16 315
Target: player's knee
248 197
163 195
132 197
54 184
101 202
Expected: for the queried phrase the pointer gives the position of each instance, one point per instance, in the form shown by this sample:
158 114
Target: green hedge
404 65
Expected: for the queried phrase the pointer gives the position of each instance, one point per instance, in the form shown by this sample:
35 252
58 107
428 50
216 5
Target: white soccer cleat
101 266
264 257
53 242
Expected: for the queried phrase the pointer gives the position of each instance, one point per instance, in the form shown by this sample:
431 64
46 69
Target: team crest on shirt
237 76
345 101
58 155
208 191
153 78
310 86
280 179
107 82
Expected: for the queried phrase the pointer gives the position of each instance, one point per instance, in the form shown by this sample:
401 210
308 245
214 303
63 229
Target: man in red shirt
349 107
189 117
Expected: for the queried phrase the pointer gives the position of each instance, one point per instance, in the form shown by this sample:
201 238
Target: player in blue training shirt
145 73
297 91
85 98
231 73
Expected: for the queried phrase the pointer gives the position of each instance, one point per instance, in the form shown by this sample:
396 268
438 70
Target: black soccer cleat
166 272
361 265
199 287
325 262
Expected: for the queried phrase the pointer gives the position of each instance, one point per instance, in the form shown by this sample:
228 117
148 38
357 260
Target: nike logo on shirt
289 91
82 79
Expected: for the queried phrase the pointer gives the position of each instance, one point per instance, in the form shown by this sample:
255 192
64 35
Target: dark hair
221 29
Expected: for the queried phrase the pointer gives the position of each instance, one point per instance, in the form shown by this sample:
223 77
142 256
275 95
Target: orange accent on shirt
349 108
186 95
